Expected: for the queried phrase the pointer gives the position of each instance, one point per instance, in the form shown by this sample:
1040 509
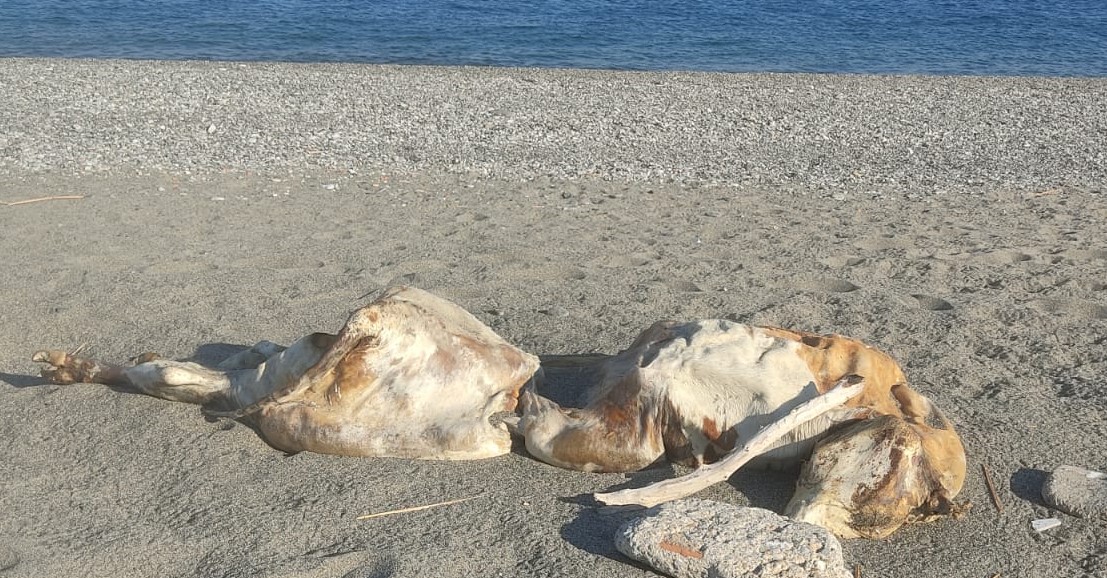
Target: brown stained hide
720 442
832 357
678 450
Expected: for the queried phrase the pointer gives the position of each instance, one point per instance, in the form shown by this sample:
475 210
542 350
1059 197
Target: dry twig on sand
418 508
41 199
991 488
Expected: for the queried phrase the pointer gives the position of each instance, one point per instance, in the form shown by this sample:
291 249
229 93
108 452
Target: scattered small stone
211 129
1045 524
1077 491
700 538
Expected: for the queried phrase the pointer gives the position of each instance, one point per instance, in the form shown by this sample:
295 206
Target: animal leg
238 381
65 368
173 380
673 489
252 357
359 331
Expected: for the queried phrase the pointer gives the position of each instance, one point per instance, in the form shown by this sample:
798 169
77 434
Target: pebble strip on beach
802 132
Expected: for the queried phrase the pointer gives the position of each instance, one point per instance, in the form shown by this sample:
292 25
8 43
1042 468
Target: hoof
63 368
145 357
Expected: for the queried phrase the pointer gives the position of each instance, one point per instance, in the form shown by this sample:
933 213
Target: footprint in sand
883 243
8 558
630 260
531 270
826 285
1081 255
683 285
1003 257
1074 386
842 261
172 267
468 217
1072 308
555 272
931 303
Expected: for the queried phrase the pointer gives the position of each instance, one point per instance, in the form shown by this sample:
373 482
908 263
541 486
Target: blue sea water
1001 37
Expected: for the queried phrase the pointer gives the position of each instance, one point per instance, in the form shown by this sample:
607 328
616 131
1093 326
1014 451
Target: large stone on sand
700 538
1078 491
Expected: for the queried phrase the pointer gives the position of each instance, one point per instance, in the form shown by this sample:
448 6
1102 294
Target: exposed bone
664 491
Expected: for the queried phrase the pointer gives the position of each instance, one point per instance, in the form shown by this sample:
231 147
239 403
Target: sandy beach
959 223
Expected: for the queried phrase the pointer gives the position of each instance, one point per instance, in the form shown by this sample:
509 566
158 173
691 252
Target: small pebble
1045 524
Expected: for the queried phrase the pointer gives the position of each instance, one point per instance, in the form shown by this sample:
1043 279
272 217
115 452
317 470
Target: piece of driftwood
708 475
417 508
41 199
991 488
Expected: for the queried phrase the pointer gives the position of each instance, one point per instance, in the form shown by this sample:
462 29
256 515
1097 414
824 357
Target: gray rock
699 538
1077 491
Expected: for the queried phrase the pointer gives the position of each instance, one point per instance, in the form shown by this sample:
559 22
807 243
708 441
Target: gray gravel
808 132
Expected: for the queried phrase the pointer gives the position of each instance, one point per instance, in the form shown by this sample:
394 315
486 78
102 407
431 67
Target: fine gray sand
959 223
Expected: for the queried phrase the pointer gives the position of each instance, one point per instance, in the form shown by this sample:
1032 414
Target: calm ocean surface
1005 37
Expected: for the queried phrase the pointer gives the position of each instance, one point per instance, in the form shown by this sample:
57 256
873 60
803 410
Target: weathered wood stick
41 199
664 491
418 508
991 488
